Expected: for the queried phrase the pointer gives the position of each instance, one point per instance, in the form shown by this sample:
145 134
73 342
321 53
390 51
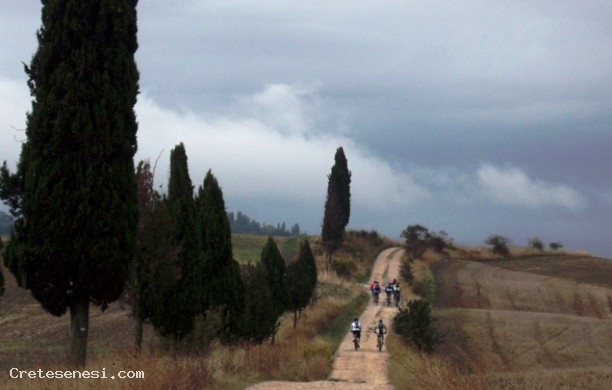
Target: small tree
414 324
417 240
301 281
221 276
499 244
536 243
154 270
555 245
274 264
260 317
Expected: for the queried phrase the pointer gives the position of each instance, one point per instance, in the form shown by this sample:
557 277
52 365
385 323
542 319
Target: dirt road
366 368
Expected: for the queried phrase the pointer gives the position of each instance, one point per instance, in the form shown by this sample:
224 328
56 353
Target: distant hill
6 223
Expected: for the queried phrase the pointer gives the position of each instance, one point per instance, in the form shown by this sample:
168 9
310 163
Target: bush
417 240
406 270
499 244
536 243
344 269
414 324
555 245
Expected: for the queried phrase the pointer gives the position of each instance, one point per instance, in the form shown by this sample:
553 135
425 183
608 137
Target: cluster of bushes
499 244
419 239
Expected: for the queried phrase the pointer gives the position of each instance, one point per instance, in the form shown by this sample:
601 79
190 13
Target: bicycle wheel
356 342
380 344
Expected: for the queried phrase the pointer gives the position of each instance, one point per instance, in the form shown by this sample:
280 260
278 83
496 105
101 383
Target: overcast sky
474 117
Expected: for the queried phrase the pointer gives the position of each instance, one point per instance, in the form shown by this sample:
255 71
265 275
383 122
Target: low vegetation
300 353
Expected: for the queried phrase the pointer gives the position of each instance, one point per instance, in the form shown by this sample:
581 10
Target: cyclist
375 292
381 331
389 291
396 293
356 330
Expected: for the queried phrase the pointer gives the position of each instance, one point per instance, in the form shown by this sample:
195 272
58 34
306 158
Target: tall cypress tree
274 264
222 282
154 271
76 233
184 302
337 206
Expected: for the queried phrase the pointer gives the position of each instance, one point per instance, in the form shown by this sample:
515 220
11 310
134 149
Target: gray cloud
475 118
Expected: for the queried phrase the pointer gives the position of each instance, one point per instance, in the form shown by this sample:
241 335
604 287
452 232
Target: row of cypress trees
184 270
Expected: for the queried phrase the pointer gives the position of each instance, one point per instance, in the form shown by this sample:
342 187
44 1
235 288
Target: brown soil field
47 339
529 322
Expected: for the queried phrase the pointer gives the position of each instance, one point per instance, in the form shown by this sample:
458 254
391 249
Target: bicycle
381 340
356 341
388 299
375 298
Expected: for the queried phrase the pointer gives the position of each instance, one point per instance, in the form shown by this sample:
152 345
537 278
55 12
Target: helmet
379 321
355 319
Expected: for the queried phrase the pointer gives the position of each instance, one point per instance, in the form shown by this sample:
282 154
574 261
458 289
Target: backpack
376 288
388 289
380 327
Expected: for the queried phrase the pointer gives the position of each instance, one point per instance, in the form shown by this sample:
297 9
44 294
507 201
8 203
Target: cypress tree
259 321
337 206
184 301
274 264
78 210
154 270
301 280
221 274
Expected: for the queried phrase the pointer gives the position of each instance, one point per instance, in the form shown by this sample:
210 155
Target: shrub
414 324
417 240
344 268
555 245
499 244
406 270
536 243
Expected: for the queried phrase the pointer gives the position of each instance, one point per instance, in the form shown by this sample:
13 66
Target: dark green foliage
406 270
221 274
260 316
536 243
301 280
414 324
337 205
417 240
274 264
75 181
154 271
555 245
499 244
186 299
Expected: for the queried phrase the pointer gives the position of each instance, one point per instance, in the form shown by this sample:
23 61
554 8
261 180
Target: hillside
530 321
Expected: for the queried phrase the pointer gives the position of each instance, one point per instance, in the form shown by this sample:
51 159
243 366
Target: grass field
247 247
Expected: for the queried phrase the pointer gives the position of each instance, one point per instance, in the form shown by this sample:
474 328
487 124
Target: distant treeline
242 223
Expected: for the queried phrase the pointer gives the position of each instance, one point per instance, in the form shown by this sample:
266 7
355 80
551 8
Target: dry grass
411 369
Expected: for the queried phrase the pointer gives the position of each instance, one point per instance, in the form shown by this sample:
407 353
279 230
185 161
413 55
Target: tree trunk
79 327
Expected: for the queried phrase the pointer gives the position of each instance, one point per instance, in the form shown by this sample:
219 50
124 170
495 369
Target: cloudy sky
471 117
